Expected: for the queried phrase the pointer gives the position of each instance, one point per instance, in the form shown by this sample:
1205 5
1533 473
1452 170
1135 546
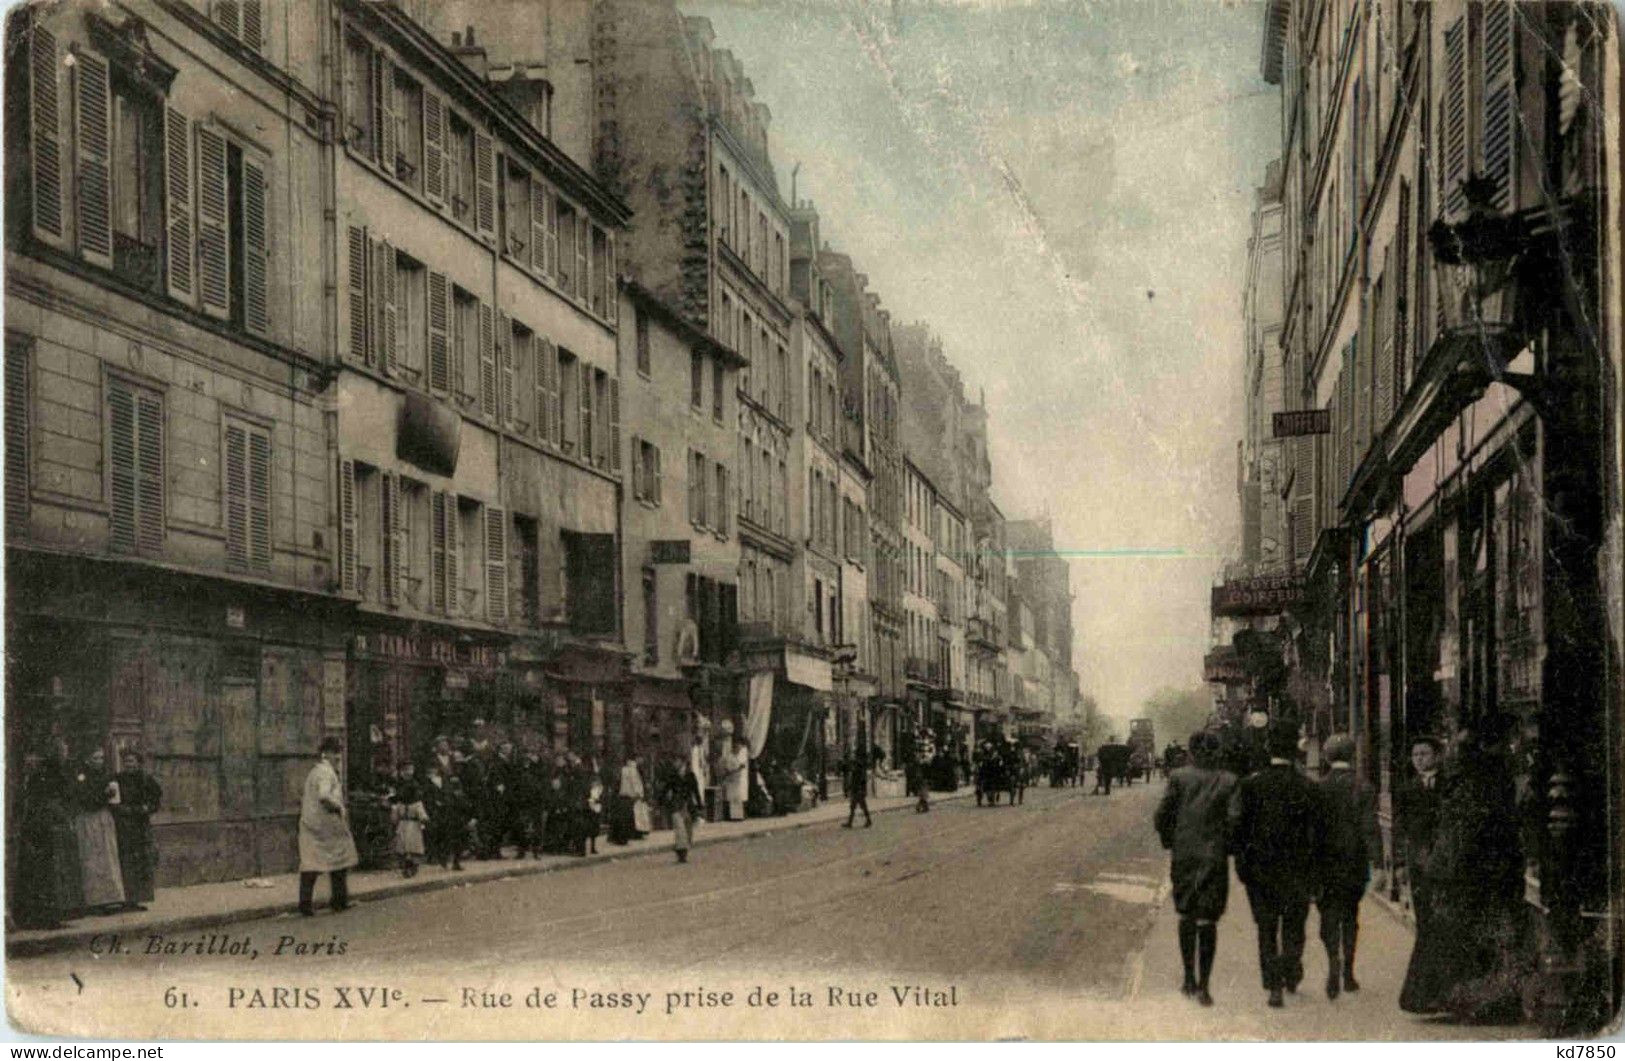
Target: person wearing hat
325 843
1275 825
139 795
733 768
1351 844
1192 821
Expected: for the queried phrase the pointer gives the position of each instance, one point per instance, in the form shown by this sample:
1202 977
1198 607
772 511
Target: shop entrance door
238 712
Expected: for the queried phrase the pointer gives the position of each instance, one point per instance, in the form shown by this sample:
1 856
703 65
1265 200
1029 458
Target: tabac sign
1270 595
428 650
1302 422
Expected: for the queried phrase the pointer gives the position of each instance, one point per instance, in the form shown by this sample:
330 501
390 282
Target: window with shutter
383 95
1500 102
178 204
583 273
659 479
348 545
392 525
243 19
247 466
554 267
361 349
615 425
542 252
454 555
19 467
638 491
1453 120
94 141
439 319
505 380
611 281
256 250
434 148
488 363
437 552
496 564
214 263
584 389
135 461
485 190
45 121
546 376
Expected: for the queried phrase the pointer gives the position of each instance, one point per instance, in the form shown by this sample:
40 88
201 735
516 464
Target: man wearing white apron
734 768
325 843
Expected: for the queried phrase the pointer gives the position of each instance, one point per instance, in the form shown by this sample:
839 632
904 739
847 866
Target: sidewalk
201 906
1239 1010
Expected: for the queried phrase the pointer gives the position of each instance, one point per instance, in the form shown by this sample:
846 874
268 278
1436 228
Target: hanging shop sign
1301 422
1223 665
428 650
1269 595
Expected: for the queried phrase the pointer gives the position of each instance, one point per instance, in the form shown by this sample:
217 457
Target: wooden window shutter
552 257
542 252
638 471
485 189
149 411
454 555
614 425
611 294
259 499
390 525
1453 124
236 499
360 347
178 205
45 121
659 482
584 422
496 564
505 373
19 467
434 148
583 279
254 24
214 266
437 552
1500 100
546 369
439 320
229 15
488 364
348 558
93 129
383 81
385 354
256 250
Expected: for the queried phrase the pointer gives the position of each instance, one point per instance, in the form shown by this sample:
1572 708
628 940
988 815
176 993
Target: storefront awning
809 671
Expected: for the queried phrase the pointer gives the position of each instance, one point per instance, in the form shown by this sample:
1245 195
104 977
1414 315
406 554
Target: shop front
227 689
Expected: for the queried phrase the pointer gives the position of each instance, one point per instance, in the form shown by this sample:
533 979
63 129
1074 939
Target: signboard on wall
1301 422
673 551
1269 595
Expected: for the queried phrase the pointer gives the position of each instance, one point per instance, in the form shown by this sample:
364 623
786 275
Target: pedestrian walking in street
97 837
856 780
325 843
733 774
918 776
410 816
1193 822
1351 844
48 889
1275 823
139 796
1467 964
678 791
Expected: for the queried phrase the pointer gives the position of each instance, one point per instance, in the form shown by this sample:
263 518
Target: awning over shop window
808 671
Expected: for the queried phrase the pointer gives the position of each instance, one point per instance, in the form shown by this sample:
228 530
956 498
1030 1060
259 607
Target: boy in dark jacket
1350 845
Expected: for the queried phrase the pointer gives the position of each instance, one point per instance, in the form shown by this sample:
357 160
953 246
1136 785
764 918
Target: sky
1062 190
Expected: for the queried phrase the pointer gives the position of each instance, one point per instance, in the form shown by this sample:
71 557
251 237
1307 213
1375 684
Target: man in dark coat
48 888
139 794
506 794
447 808
474 773
1275 822
856 779
1193 822
1351 844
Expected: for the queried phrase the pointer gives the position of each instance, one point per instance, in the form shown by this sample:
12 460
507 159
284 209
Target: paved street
1038 918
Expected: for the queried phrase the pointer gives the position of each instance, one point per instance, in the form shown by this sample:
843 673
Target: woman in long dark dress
1467 964
48 886
139 795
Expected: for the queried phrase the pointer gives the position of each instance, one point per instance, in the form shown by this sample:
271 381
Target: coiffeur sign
1270 595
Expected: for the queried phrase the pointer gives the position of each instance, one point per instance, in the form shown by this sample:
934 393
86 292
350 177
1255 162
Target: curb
30 948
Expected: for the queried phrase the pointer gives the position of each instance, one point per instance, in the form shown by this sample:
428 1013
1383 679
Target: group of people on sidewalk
84 834
1298 842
